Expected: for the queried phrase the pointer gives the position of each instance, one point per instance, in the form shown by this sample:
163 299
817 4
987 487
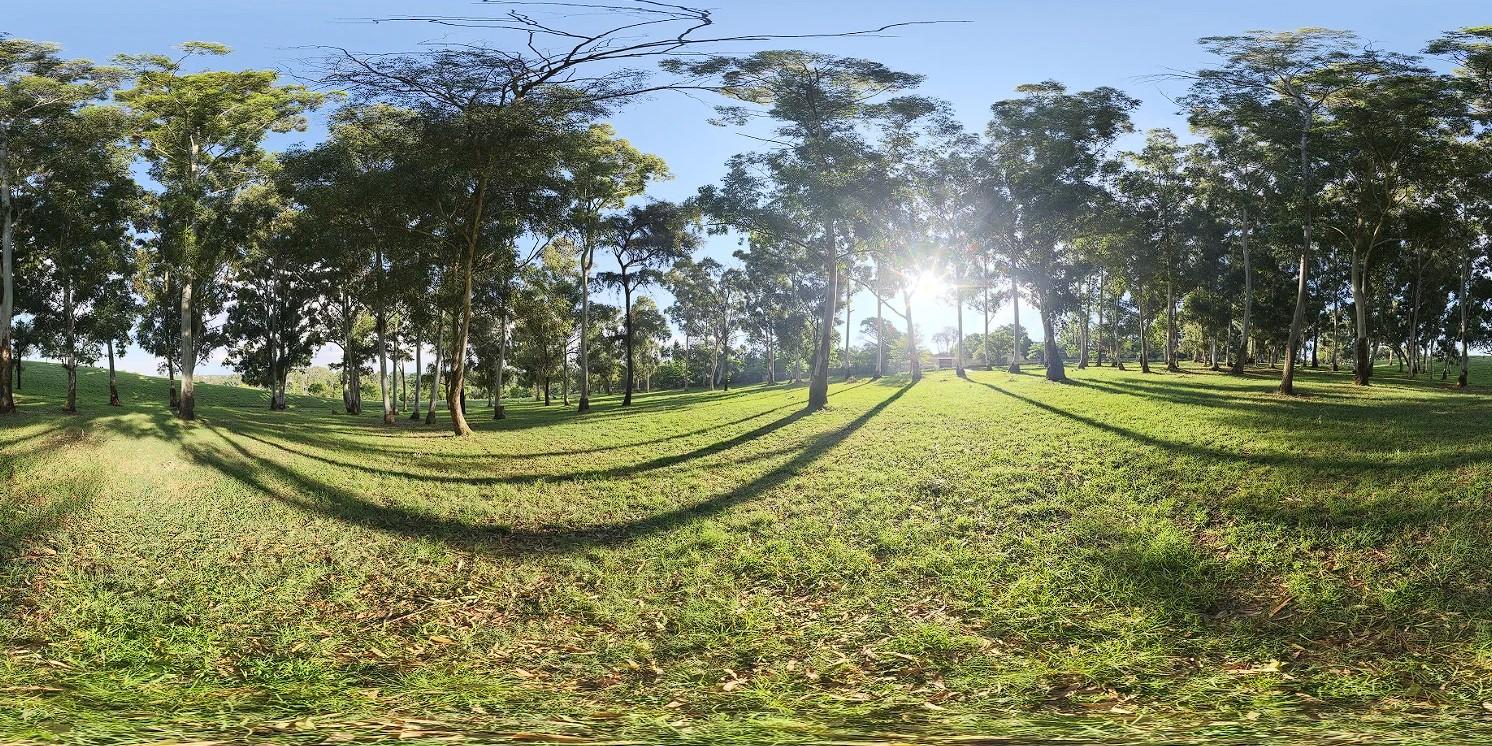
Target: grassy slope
1180 548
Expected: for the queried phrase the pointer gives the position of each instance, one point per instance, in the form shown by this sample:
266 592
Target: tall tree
201 134
643 241
37 88
1047 151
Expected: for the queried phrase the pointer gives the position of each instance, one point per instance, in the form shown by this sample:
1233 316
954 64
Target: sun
929 283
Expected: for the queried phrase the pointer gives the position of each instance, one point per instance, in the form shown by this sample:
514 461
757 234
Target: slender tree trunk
880 330
958 302
1102 282
1248 296
1297 320
1144 334
113 383
1172 360
419 378
188 406
499 412
585 325
1461 377
988 363
1118 343
849 295
1016 354
818 385
1083 327
70 360
381 327
462 321
435 379
914 366
627 330
7 278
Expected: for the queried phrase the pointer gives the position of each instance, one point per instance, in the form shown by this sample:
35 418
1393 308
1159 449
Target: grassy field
1132 558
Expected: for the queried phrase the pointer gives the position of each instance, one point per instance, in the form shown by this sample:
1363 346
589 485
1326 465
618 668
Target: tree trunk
1083 328
958 302
585 325
1144 335
818 385
849 296
113 384
1051 351
7 278
435 378
70 360
914 366
988 363
1118 349
499 412
627 330
1297 320
381 327
419 378
1015 327
1465 323
1172 361
1248 297
880 331
462 322
188 405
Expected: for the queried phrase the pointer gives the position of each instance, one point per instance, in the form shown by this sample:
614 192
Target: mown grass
1129 558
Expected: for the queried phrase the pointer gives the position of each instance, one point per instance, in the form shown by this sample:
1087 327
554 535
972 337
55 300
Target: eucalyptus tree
201 133
1299 72
279 293
693 286
79 232
603 172
947 187
810 189
1047 152
1390 139
1158 188
643 241
38 88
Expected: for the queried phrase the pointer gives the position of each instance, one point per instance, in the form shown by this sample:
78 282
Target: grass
1128 558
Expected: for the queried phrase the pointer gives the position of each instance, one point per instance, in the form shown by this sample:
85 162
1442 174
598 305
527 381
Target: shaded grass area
1126 558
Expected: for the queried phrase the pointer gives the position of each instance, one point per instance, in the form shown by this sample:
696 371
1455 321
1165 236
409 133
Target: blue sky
1083 43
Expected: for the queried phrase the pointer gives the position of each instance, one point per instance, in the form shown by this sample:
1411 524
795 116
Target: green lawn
1171 556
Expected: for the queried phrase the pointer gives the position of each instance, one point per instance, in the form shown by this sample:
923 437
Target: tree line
1328 207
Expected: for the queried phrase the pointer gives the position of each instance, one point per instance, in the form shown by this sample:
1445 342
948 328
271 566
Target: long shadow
342 505
1276 459
660 462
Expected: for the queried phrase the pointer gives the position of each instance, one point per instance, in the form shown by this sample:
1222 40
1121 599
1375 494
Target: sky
997 45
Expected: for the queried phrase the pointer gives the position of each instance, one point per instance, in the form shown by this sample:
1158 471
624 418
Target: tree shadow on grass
316 496
1343 463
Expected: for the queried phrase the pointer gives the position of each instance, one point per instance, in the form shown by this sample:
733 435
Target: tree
604 172
1047 151
643 240
79 257
820 178
201 134
1299 71
37 88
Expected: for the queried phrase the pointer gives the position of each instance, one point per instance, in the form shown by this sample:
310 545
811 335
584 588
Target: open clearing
996 555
